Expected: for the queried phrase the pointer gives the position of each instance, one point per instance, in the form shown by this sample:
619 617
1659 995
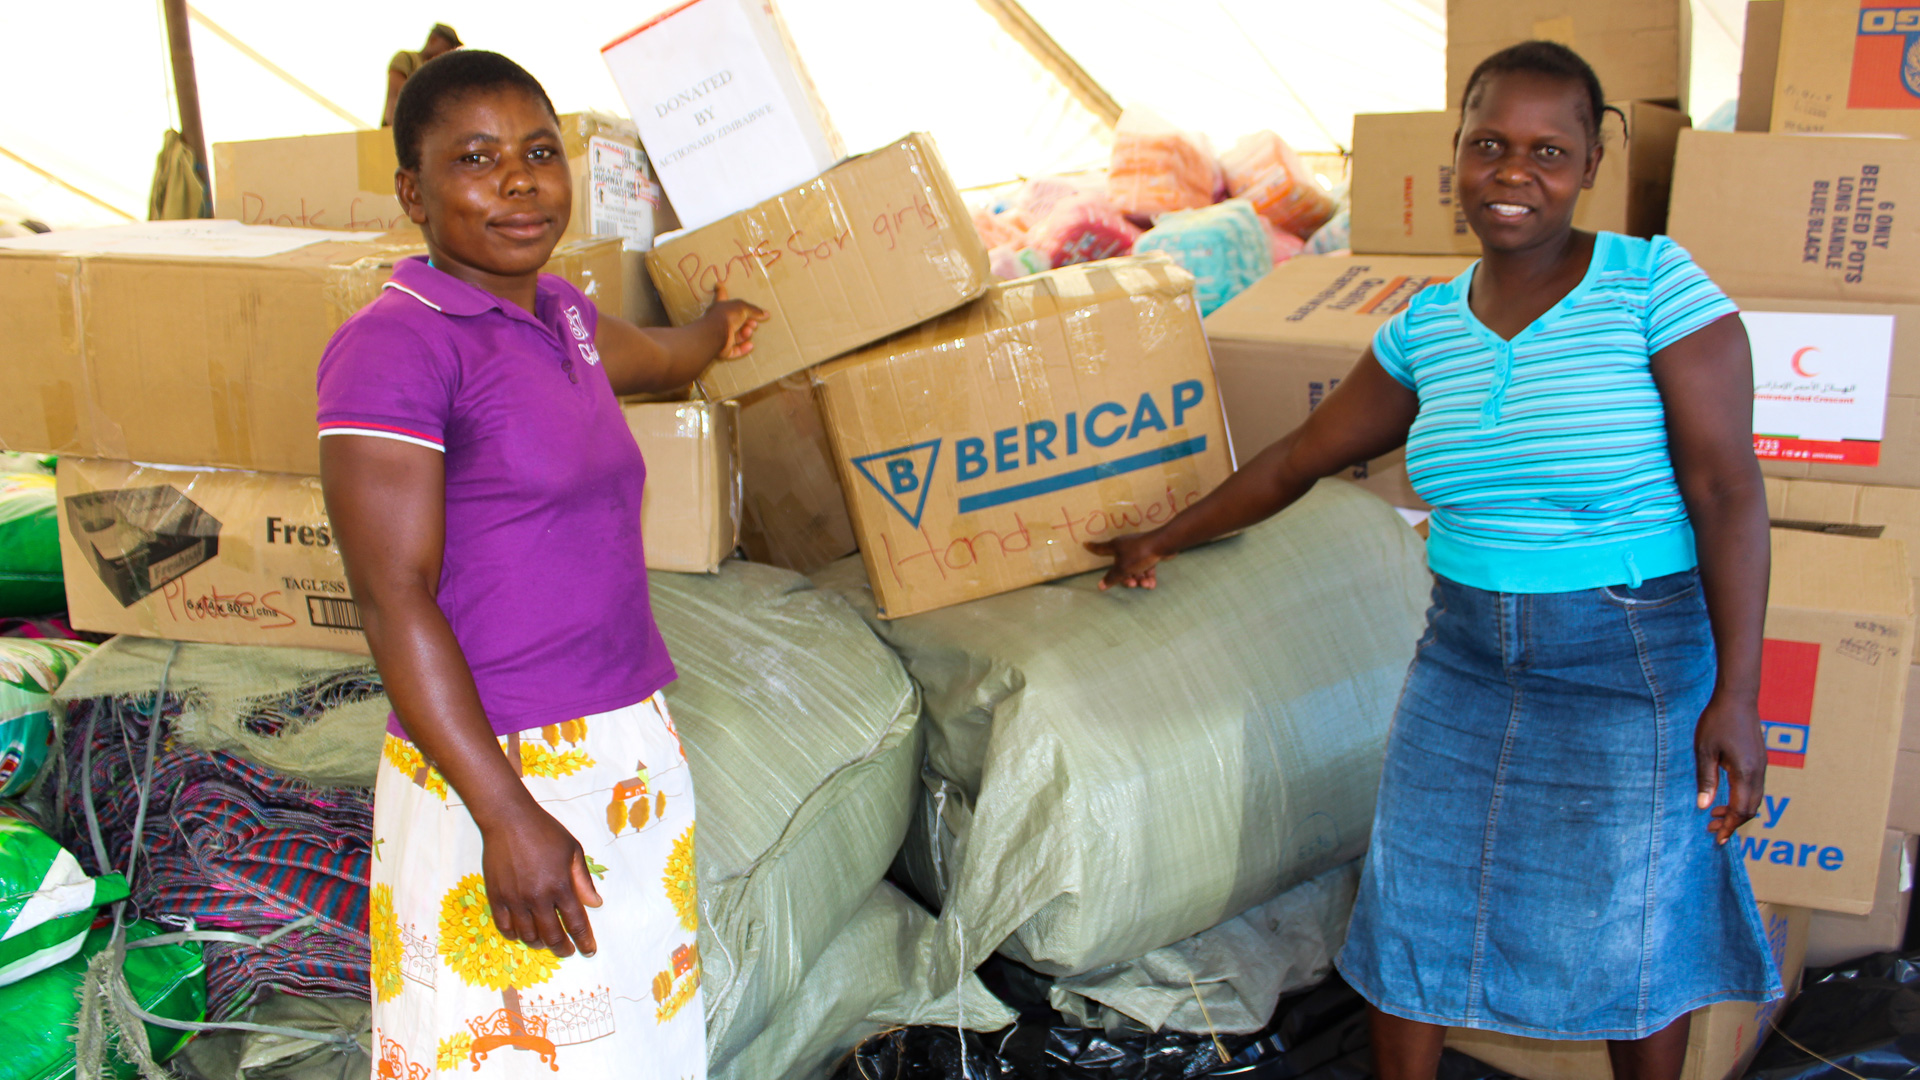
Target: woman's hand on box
739 320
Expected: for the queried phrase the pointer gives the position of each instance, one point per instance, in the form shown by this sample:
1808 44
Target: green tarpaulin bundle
30 579
802 731
47 901
31 669
166 980
1110 773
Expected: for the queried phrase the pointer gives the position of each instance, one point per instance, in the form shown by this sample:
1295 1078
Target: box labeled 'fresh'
213 555
981 450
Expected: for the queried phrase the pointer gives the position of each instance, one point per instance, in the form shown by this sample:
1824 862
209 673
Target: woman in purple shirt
486 493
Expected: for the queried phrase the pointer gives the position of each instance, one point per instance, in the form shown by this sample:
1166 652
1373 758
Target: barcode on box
333 613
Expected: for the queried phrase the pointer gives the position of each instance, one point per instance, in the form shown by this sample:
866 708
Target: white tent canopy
88 88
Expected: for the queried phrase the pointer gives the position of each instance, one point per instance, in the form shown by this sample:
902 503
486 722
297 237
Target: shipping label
1819 385
624 197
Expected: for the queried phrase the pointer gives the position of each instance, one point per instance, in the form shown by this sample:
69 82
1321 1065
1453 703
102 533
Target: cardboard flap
1818 571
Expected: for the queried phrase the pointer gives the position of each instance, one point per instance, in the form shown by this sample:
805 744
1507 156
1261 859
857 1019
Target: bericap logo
905 474
1886 57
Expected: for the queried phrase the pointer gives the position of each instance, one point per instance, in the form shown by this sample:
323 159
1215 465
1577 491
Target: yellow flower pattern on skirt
452 996
384 929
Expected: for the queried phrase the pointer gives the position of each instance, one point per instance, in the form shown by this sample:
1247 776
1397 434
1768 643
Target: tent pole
186 90
1024 29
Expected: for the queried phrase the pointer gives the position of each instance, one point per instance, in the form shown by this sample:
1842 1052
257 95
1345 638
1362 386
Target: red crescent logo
1799 355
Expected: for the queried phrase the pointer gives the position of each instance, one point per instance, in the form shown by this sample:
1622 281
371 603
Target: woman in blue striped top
1548 854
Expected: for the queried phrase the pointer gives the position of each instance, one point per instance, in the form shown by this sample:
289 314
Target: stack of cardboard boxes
967 437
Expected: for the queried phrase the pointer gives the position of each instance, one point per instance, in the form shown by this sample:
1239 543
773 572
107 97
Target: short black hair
445 78
1553 60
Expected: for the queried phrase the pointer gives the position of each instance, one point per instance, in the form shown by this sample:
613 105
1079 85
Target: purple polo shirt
543 579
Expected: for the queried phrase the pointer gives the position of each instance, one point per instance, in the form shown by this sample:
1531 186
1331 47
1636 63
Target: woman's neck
520 290
1518 270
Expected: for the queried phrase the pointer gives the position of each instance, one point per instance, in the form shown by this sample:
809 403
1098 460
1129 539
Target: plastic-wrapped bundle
1224 247
1038 197
31 669
1334 236
1010 261
47 901
802 731
1083 228
1111 772
168 981
996 229
1156 167
1265 171
1284 244
30 581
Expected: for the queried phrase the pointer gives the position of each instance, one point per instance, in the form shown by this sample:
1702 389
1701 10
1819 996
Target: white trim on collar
410 292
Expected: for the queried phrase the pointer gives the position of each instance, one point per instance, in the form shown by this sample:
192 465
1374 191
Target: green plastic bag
47 901
30 581
166 980
31 669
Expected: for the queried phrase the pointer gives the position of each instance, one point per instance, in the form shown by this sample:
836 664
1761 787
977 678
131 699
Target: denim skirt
1539 863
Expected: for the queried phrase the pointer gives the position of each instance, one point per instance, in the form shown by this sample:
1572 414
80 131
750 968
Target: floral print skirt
452 996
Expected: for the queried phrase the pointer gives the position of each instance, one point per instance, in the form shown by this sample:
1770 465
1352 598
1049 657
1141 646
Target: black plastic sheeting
1319 1034
1863 1018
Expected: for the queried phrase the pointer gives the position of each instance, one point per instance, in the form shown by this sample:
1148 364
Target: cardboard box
345 181
1869 511
1833 684
194 342
1836 390
690 513
725 104
1721 1043
1281 346
981 449
1834 939
1641 49
795 513
878 244
1844 66
1404 200
230 557
1904 812
1826 218
1759 57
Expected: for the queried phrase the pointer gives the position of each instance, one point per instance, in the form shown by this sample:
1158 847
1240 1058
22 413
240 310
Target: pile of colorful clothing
228 845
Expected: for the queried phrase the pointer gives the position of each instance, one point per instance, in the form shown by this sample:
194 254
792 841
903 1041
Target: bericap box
981 451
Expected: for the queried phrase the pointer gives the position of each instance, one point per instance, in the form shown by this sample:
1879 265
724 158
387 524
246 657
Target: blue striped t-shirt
1545 457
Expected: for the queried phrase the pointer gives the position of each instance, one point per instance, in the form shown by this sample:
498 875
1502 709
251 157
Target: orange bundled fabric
1265 171
1156 167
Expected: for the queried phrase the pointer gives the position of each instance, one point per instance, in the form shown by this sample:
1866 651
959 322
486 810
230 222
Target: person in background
1547 856
485 492
440 40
